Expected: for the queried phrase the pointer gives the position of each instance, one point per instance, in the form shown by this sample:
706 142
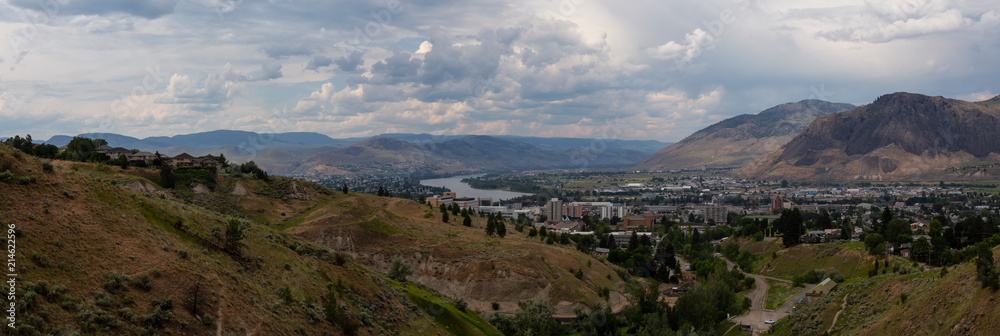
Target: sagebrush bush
207 319
116 283
143 282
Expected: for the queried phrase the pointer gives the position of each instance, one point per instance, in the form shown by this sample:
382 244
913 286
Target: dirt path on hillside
842 306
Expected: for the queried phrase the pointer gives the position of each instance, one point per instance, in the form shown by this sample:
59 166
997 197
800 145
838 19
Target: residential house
113 152
821 289
182 160
141 157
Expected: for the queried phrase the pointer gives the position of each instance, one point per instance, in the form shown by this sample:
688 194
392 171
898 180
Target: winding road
757 315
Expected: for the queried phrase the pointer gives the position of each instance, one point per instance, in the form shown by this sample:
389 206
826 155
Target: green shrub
207 319
143 282
116 283
6 175
47 166
183 254
102 299
460 304
40 259
496 306
162 313
55 293
86 318
127 314
286 294
26 179
399 270
67 302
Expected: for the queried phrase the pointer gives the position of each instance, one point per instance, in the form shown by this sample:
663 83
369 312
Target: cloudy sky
639 69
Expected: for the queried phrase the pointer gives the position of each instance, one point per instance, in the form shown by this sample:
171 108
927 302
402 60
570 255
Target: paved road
757 315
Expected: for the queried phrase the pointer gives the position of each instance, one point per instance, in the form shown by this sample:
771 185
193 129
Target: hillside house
187 160
113 152
182 160
823 288
814 237
601 252
140 157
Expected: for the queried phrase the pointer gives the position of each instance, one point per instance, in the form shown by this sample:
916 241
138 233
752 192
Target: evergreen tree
490 226
222 161
501 228
882 224
344 189
921 249
986 270
845 230
790 225
824 221
234 235
167 179
467 221
444 216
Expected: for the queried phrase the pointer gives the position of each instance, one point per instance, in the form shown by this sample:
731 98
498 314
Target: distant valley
307 153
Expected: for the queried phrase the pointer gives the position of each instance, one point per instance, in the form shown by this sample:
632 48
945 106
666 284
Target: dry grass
454 259
88 226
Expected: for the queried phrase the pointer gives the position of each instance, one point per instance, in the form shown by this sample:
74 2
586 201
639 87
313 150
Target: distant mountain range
467 153
741 139
211 139
314 153
900 135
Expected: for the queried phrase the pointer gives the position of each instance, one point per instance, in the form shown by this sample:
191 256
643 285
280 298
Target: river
463 189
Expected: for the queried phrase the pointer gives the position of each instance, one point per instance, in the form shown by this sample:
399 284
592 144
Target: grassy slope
951 305
79 225
457 260
777 293
774 261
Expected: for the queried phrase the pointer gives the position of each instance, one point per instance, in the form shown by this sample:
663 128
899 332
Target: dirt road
757 315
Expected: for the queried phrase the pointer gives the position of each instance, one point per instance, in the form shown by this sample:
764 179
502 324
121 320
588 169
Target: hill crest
741 139
898 135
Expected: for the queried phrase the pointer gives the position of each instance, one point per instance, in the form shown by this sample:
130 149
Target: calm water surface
462 189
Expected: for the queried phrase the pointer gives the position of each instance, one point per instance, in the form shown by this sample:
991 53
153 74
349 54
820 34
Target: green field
777 293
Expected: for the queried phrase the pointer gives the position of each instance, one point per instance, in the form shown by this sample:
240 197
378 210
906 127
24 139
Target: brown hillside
924 303
738 140
457 260
82 223
900 135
